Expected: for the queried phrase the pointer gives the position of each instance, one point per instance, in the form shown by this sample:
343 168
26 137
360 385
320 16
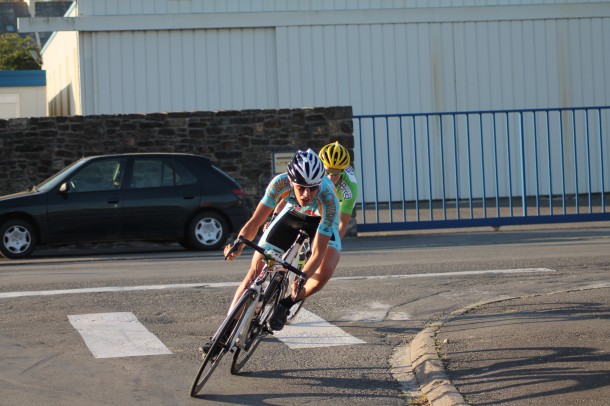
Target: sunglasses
311 189
333 173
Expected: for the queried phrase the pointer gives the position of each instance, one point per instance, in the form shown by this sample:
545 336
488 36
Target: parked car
145 197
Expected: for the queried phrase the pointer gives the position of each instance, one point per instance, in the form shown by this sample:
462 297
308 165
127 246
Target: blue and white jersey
325 204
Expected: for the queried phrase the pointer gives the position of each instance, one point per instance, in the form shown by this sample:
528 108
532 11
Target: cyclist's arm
318 250
344 219
280 206
348 203
250 229
278 209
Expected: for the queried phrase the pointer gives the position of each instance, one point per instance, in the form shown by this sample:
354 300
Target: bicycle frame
252 310
275 265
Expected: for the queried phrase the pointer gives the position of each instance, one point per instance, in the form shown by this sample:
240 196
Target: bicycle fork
241 338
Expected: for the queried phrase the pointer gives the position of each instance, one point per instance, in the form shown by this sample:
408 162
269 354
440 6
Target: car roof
154 154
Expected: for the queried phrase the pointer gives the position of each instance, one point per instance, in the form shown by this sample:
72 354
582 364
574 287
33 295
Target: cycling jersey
347 189
325 204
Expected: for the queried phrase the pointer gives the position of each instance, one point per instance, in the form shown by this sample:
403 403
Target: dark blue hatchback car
145 197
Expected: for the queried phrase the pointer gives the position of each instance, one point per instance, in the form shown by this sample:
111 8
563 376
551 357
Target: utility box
280 161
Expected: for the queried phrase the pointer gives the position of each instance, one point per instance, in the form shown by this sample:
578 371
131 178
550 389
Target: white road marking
443 274
399 316
373 313
121 335
6 295
103 289
310 331
113 335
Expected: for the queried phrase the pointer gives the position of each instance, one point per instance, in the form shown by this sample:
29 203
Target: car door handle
113 201
188 197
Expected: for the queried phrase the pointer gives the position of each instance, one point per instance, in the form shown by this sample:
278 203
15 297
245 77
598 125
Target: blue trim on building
23 78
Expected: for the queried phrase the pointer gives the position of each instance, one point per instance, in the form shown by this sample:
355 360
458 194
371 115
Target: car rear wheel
207 231
17 239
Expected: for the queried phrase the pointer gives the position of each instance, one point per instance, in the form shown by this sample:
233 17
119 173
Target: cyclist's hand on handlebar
297 286
233 250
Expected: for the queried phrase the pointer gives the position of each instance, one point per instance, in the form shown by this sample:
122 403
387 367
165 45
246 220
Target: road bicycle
246 323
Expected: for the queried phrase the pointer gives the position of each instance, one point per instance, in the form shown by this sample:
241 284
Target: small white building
379 56
22 94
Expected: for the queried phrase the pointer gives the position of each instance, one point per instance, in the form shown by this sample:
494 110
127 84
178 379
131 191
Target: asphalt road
385 290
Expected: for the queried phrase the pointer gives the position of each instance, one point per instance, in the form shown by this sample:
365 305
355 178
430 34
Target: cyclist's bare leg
255 266
322 275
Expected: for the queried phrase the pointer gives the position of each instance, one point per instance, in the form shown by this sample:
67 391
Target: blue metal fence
482 168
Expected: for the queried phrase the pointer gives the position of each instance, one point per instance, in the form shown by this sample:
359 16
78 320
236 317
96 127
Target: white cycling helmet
306 168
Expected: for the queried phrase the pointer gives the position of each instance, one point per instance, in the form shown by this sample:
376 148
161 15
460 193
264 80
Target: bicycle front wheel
257 330
220 343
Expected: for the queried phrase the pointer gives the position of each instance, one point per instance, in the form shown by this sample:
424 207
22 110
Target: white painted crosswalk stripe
309 331
113 335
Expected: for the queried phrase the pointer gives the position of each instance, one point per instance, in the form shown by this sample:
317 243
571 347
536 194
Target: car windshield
58 177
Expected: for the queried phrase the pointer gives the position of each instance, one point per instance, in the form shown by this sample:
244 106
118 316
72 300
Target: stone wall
240 142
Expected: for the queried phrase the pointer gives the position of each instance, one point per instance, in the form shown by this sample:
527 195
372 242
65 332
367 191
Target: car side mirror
64 188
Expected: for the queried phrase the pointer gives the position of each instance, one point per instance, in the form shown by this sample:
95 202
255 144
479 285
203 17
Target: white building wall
10 101
435 67
179 70
468 59
22 101
61 60
133 7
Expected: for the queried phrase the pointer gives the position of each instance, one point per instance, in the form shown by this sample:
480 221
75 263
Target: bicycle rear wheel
304 255
220 344
294 310
257 330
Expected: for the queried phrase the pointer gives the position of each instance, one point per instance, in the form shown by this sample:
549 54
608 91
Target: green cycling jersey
347 190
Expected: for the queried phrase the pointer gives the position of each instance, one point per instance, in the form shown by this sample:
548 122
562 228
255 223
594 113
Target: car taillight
239 193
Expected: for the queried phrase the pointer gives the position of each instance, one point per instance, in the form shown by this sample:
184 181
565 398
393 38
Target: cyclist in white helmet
305 189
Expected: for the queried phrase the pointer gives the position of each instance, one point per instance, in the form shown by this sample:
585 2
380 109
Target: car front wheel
207 231
17 239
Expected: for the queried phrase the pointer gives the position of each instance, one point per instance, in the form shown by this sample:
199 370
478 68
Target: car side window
99 176
151 173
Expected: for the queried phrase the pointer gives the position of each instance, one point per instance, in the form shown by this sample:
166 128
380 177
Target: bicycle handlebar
268 254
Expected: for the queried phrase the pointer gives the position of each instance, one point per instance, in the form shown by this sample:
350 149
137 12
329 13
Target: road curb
429 368
430 371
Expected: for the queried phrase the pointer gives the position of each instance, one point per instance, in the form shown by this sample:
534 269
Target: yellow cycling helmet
334 156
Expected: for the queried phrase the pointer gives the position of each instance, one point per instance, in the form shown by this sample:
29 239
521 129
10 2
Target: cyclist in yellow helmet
336 160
